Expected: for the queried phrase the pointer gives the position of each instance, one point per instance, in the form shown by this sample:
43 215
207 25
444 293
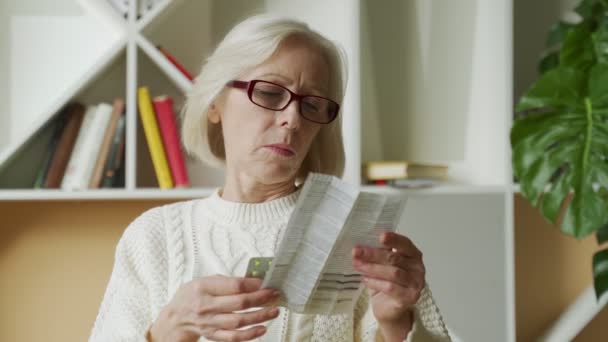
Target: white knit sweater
170 245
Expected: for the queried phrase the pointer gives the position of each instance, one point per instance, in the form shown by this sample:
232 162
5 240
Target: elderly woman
266 108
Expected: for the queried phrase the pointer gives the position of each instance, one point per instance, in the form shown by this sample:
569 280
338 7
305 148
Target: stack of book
86 150
160 128
404 174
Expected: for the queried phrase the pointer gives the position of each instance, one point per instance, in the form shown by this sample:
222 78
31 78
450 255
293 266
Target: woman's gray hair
246 46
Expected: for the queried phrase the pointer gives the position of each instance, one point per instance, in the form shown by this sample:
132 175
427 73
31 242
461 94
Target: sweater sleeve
137 285
428 325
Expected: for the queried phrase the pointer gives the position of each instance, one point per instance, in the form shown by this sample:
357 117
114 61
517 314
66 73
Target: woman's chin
277 174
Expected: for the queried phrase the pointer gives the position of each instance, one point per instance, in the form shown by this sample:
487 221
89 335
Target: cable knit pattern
428 312
175 236
137 286
168 246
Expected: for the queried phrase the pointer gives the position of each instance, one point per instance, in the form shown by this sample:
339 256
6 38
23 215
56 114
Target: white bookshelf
189 193
463 226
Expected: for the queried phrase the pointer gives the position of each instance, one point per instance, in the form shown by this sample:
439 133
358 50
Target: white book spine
94 139
68 181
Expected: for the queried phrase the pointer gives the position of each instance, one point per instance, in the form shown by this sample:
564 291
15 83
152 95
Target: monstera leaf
600 272
560 144
563 147
600 264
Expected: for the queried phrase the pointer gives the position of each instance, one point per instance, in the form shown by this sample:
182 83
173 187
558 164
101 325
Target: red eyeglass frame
249 85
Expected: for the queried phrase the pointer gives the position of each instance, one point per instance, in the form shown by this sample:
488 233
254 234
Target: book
82 161
163 106
58 126
413 183
118 108
75 115
155 144
174 61
119 174
387 170
312 266
115 159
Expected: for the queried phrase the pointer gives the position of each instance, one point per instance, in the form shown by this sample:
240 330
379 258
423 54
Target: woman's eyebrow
272 74
288 81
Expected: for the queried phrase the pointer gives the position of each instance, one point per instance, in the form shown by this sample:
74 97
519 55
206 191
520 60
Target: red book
175 62
163 106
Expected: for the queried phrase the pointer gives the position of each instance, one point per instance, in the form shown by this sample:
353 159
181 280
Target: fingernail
274 311
357 252
276 293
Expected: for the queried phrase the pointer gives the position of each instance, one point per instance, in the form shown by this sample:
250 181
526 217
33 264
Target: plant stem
588 112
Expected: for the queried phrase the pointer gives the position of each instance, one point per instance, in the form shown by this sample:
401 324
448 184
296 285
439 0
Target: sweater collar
237 212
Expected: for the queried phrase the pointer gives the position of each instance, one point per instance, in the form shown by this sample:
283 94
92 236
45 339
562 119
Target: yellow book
155 144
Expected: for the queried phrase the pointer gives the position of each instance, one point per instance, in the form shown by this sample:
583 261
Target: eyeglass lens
275 97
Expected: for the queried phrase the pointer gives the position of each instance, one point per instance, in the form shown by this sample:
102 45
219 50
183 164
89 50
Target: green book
58 125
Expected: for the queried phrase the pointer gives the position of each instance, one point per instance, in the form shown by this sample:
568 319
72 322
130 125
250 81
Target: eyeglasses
276 97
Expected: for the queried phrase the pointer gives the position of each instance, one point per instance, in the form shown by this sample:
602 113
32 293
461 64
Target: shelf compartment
159 83
19 168
88 77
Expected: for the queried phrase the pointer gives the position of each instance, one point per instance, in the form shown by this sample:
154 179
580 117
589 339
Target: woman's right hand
204 307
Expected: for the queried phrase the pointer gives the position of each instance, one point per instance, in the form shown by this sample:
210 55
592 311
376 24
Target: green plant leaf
557 33
573 138
600 41
598 86
552 200
548 62
578 51
587 211
584 8
600 273
535 158
556 89
602 234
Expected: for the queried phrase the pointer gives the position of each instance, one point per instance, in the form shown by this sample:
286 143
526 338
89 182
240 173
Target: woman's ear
214 114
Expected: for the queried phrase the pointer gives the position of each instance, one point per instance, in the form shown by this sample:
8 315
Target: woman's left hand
394 274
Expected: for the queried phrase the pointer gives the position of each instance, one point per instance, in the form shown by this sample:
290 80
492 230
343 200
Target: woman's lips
281 150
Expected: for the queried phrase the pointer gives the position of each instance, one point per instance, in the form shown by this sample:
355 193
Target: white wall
437 84
462 239
4 118
11 124
532 21
9 8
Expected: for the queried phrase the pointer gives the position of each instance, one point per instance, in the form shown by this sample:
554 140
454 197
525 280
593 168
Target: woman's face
265 145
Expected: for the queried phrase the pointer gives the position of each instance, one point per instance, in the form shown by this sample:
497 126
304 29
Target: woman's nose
290 116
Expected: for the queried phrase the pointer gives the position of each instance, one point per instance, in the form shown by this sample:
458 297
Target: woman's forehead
296 64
